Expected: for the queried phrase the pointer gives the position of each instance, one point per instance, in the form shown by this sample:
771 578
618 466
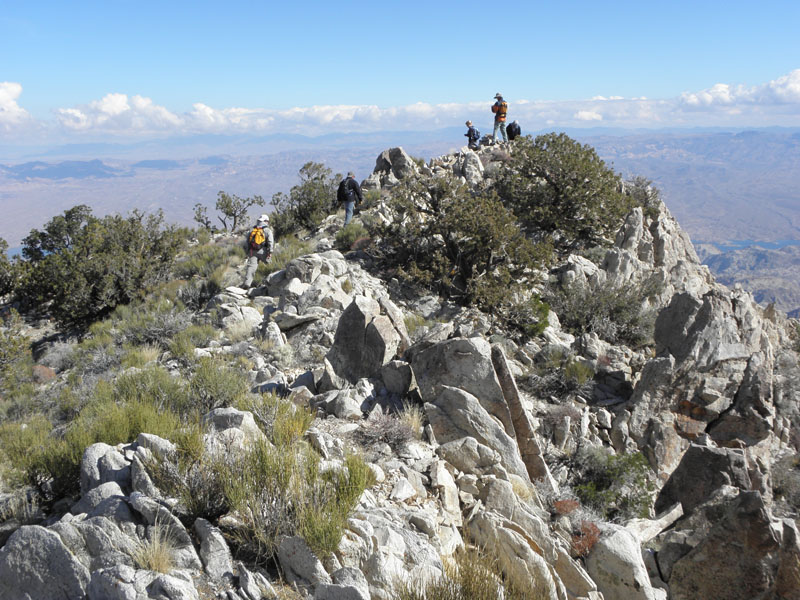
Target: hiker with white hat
260 243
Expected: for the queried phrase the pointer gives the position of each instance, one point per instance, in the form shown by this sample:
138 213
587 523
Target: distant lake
742 244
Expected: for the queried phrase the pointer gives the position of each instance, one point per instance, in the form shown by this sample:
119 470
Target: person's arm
269 241
358 191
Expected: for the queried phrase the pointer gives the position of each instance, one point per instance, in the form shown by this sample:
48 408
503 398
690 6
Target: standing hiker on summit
259 246
349 193
500 110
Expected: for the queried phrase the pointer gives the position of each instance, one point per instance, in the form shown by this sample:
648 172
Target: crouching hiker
349 193
260 244
473 137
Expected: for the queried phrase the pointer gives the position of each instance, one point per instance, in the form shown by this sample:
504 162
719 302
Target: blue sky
120 68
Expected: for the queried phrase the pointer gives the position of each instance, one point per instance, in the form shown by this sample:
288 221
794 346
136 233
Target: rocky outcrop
365 340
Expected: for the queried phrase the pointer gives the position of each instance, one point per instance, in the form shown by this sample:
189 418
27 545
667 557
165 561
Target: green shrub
280 490
196 479
465 246
562 191
214 384
82 267
644 194
49 459
347 236
578 373
616 486
153 385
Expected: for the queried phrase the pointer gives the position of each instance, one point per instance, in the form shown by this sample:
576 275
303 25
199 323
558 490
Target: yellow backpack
257 238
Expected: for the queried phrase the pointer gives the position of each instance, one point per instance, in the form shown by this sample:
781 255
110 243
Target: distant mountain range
726 188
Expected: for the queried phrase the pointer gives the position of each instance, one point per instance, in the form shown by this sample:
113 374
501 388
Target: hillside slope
340 432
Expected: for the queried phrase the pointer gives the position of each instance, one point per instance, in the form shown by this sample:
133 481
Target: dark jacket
513 130
473 135
349 191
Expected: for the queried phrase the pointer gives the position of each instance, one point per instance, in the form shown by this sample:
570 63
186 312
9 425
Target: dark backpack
475 135
346 191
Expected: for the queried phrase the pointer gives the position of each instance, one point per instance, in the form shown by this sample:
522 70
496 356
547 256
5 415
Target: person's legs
252 265
503 130
348 211
494 133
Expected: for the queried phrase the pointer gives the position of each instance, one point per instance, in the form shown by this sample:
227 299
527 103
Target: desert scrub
139 356
286 250
215 384
347 236
472 574
195 477
614 311
281 420
16 363
282 356
617 486
559 374
152 385
278 488
201 261
151 323
183 345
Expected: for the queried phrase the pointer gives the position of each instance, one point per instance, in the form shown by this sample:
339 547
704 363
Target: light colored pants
501 125
252 266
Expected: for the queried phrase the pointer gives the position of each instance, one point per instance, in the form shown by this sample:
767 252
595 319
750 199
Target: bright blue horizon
59 58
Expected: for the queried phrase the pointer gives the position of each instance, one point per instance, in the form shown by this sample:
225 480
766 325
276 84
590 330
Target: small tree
562 191
308 203
201 216
232 207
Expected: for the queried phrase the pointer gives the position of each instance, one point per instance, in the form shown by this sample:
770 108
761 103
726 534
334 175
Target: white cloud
588 115
12 115
117 113
783 90
774 103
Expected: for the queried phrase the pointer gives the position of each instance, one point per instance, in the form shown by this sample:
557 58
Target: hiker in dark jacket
260 243
513 130
349 193
473 137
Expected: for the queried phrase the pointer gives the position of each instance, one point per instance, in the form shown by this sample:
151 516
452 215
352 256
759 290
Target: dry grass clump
156 552
471 574
390 429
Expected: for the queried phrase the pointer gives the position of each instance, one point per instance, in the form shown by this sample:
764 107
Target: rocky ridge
711 408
